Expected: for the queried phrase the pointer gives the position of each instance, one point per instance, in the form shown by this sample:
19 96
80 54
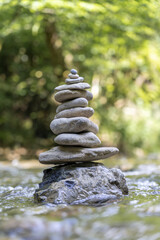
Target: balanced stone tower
77 180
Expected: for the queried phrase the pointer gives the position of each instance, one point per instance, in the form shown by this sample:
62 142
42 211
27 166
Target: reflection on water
134 217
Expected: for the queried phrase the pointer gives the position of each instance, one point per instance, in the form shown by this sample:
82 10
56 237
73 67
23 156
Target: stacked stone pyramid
75 132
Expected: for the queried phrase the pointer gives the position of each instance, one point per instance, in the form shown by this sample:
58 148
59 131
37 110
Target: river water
136 216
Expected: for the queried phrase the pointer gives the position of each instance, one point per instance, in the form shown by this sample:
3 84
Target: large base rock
81 183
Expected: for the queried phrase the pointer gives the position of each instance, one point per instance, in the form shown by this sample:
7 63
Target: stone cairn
76 179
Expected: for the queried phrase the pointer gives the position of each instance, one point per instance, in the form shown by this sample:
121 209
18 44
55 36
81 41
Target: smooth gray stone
75 112
77 102
65 154
81 184
87 139
73 76
73 71
73 125
78 80
66 95
76 86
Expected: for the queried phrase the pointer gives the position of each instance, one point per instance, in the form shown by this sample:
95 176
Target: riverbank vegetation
113 44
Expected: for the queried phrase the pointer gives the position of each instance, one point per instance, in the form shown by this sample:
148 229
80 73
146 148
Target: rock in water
81 183
87 139
73 125
77 102
66 95
66 154
75 112
77 180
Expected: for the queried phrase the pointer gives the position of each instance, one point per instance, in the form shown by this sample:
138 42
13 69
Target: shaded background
114 45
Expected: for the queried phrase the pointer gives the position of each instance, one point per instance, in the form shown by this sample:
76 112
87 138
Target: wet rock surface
135 216
79 183
34 228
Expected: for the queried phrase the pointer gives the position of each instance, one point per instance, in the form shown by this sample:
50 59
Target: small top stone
73 71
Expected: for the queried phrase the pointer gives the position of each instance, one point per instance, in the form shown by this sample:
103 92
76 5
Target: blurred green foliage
113 44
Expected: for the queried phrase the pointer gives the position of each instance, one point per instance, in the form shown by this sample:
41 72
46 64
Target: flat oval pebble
75 112
65 154
73 71
87 139
73 125
77 102
73 76
76 86
65 95
77 80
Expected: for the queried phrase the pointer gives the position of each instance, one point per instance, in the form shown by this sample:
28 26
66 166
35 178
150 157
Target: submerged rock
36 228
81 184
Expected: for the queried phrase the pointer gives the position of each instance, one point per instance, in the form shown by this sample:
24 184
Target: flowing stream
136 216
